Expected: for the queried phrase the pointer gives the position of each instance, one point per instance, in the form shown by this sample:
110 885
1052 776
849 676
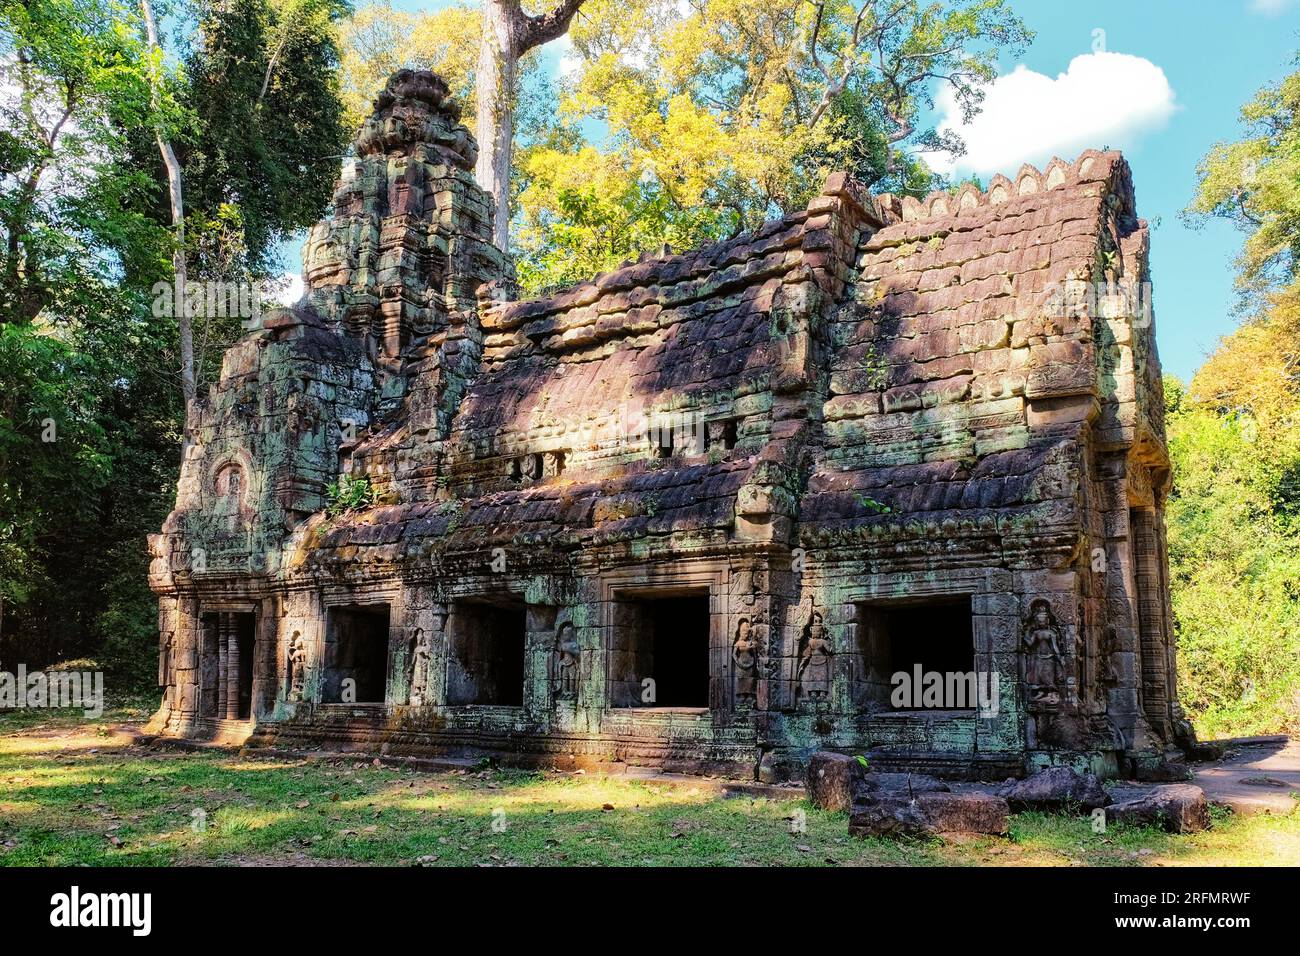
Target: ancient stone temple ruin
703 512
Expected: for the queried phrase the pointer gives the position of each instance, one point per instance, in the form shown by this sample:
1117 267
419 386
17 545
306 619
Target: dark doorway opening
934 634
245 637
356 651
660 652
226 664
487 653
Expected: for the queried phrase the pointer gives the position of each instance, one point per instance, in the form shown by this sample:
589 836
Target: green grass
78 792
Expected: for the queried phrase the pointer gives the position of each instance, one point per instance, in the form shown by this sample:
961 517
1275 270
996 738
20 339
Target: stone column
1151 617
222 686
1120 671
189 649
230 641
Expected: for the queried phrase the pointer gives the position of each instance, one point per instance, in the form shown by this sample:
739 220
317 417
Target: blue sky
1161 79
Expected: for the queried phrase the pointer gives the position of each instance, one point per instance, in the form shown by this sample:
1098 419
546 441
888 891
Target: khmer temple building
700 512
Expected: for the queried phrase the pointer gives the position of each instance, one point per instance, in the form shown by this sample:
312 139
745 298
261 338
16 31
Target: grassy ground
78 792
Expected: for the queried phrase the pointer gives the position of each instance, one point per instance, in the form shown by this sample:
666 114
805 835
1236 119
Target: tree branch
547 27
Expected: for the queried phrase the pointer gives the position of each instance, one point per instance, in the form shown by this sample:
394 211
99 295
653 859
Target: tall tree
1234 438
508 33
82 362
268 130
1255 184
377 40
176 203
722 113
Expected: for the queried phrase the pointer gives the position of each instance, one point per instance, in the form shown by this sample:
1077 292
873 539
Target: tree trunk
498 62
177 200
508 33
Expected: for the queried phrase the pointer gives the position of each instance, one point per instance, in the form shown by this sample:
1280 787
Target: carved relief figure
418 668
551 464
565 662
815 659
744 651
297 667
165 679
1042 645
531 467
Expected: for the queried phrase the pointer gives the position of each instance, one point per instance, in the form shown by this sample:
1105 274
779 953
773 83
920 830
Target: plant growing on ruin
871 504
348 494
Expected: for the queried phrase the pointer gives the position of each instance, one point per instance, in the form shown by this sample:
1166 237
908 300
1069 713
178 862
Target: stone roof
941 340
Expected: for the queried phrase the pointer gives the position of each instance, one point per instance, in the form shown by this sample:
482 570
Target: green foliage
1234 436
1255 184
1234 557
348 494
267 133
89 383
686 123
76 77
871 504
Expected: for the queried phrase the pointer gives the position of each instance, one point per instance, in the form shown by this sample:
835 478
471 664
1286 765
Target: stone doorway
660 651
226 664
486 663
935 634
355 665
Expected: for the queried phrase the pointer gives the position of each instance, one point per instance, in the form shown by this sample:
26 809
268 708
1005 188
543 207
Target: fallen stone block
830 783
893 813
1056 788
835 779
908 783
1178 808
887 814
965 812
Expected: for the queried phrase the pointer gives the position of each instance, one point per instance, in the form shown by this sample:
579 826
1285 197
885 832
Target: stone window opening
485 665
355 660
721 435
660 653
913 638
670 436
536 466
226 664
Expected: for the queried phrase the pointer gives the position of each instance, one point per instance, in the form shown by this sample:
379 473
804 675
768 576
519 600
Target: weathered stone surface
1178 808
907 783
1056 788
964 812
887 814
895 813
418 514
830 780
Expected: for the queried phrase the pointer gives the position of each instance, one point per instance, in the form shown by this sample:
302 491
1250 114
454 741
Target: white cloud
1270 8
287 289
569 61
1102 99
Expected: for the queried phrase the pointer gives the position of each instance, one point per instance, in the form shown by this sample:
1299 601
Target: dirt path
1261 775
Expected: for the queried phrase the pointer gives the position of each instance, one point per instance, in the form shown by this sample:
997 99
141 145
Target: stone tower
407 238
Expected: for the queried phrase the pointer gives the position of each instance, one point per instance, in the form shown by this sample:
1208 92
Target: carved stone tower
407 238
